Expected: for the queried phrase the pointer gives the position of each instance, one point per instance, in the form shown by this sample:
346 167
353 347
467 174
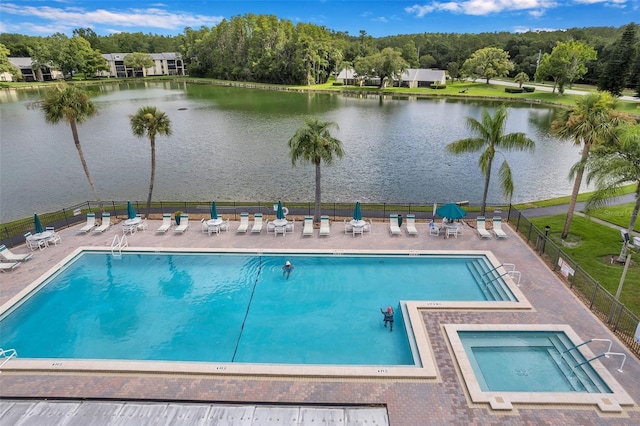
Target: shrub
528 89
338 83
438 86
513 89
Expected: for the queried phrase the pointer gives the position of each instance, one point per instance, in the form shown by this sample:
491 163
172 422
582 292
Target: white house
30 72
168 63
412 78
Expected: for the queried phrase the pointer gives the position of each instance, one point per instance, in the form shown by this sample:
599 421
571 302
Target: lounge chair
307 229
33 243
394 229
184 224
106 223
411 225
481 228
12 257
497 228
325 228
8 266
257 223
244 223
166 223
91 223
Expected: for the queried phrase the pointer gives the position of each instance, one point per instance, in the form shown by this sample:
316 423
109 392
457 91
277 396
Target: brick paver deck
409 402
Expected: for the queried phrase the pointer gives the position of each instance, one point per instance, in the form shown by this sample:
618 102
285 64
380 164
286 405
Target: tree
453 69
139 60
491 140
619 64
521 78
410 54
590 122
488 63
566 63
612 165
5 65
74 106
385 64
149 122
314 144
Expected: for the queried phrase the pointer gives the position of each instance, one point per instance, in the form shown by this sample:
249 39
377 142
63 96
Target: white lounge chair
91 223
166 223
184 224
411 225
257 223
8 266
106 223
12 257
307 229
325 228
244 223
481 228
394 229
497 228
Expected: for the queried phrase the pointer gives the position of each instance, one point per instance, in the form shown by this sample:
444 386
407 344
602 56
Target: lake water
231 144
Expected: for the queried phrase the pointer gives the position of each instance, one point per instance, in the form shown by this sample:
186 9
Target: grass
597 244
618 215
628 189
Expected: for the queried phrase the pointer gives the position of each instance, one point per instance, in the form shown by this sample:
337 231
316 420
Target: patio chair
184 224
481 228
394 229
204 226
325 228
8 266
307 230
257 223
497 228
411 225
434 229
54 238
33 243
166 223
224 226
280 230
12 257
290 226
244 223
348 227
106 223
91 223
143 225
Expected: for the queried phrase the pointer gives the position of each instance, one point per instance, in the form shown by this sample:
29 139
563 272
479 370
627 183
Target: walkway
407 401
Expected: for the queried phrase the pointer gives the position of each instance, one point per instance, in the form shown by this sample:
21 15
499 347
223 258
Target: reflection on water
231 144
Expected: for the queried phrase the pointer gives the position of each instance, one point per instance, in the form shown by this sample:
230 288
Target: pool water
233 307
528 361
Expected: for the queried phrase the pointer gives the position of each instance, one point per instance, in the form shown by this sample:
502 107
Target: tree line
267 49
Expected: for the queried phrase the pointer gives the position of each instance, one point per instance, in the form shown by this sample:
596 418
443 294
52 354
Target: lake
231 144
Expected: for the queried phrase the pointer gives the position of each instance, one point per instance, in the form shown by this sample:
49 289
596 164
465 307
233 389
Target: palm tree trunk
76 140
153 173
576 190
622 257
487 178
316 211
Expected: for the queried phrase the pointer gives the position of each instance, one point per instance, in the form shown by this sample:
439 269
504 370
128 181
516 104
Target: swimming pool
238 308
541 363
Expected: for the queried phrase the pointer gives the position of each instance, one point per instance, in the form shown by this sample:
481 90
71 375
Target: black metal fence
603 304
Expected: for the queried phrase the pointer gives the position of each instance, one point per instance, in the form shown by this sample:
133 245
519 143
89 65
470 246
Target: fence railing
618 318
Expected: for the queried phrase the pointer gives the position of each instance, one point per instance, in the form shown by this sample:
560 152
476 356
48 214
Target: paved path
550 89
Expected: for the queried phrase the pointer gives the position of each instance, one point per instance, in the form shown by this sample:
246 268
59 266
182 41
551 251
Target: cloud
482 7
74 17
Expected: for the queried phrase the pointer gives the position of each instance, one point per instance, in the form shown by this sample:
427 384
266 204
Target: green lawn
597 244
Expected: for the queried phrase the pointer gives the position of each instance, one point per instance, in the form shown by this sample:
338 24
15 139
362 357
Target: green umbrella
357 212
279 212
451 211
131 212
214 212
38 225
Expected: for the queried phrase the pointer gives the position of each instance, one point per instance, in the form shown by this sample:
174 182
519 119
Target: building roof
422 74
21 62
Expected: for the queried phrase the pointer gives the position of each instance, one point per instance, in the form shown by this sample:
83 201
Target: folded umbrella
37 224
131 212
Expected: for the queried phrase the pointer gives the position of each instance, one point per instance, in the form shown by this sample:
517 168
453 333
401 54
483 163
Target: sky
377 18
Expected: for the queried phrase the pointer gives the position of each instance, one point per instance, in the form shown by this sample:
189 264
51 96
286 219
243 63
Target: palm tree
314 144
491 139
74 106
590 122
149 122
613 165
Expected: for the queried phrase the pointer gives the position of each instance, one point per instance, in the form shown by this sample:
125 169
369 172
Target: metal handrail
7 354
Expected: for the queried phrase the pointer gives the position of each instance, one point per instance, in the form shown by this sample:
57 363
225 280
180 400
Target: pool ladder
605 354
7 354
117 244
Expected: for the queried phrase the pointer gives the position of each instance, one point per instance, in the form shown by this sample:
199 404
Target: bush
529 89
513 89
438 86
338 83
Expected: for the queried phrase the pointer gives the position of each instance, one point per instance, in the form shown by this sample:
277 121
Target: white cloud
74 17
482 7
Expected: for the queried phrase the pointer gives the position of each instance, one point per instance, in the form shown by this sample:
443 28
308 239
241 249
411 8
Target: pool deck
409 401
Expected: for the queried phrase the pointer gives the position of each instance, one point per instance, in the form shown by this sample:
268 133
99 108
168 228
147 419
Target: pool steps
489 277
